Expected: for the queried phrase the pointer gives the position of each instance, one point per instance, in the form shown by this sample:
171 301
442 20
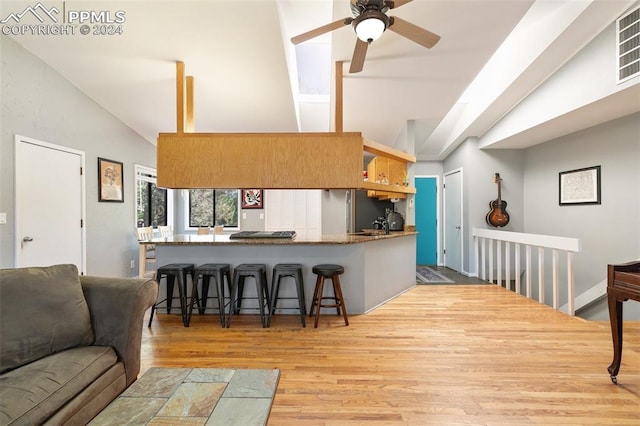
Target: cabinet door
383 169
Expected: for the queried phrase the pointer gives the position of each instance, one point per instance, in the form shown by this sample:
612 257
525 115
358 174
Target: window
153 204
211 207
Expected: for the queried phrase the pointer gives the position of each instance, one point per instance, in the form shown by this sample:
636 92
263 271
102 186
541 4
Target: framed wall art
580 186
110 181
252 199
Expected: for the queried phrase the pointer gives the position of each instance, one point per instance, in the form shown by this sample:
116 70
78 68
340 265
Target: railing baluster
491 260
570 284
507 264
517 253
541 274
556 287
484 260
476 245
528 269
499 262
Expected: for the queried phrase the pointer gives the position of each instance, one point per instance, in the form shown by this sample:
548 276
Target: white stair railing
485 261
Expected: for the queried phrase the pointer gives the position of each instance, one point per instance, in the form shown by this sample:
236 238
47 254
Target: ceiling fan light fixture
370 25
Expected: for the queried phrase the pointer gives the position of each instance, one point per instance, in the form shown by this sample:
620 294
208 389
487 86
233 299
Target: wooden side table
623 283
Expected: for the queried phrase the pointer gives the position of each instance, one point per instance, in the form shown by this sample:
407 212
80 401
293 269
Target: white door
49 204
453 220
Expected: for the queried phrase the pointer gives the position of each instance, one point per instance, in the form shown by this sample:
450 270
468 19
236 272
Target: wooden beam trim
339 97
387 151
190 125
179 97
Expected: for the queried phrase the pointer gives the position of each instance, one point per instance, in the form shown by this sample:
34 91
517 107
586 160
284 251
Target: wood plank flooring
436 355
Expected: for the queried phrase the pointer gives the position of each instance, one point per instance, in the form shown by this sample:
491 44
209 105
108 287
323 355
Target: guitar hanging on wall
498 216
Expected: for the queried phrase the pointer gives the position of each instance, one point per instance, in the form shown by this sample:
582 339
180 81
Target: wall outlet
3 218
132 264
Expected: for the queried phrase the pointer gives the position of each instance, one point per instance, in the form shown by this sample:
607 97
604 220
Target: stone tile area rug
426 275
195 396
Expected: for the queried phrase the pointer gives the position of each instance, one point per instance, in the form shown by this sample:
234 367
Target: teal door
426 221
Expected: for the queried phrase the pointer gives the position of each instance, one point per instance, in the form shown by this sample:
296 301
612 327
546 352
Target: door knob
457 227
27 239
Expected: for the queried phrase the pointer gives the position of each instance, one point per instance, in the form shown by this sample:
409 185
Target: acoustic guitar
498 216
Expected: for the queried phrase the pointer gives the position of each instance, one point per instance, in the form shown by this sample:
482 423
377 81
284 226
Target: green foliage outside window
209 207
151 204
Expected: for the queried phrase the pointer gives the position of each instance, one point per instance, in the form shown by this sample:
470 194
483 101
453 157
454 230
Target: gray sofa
69 344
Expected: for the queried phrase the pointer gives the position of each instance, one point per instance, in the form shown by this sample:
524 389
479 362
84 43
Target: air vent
628 42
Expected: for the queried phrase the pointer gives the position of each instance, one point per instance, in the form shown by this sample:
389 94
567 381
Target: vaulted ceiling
248 76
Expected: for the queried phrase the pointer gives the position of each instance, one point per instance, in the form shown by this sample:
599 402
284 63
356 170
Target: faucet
381 223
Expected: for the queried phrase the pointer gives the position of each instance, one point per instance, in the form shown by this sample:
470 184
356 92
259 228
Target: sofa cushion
43 312
34 392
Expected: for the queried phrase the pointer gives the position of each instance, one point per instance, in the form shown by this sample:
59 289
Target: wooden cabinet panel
260 160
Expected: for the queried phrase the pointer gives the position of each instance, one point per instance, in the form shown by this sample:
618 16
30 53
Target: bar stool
217 271
171 272
259 273
332 272
282 270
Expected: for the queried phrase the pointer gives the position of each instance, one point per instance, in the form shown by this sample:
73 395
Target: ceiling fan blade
413 32
398 3
359 53
321 30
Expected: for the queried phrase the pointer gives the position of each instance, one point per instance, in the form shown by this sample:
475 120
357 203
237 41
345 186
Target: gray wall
479 189
38 103
610 232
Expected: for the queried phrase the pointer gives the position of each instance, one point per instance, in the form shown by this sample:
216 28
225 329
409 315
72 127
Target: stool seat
258 272
328 271
176 267
172 271
210 268
217 271
283 270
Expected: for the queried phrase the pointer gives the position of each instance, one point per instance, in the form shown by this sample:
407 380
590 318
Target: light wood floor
436 355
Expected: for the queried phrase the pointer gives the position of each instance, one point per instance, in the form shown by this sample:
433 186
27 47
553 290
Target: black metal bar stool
171 272
259 273
332 272
217 271
283 270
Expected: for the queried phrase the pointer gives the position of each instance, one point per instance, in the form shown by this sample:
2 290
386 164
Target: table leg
615 318
142 259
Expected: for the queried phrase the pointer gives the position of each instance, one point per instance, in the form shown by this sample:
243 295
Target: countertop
223 239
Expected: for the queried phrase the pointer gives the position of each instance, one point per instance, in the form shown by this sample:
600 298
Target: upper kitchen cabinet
271 161
387 172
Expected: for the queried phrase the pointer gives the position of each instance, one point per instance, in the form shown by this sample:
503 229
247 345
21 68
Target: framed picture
580 186
252 199
110 180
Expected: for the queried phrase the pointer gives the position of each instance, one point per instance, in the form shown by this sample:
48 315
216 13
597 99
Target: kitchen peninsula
378 267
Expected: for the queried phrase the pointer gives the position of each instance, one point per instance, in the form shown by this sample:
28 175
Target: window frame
149 174
186 206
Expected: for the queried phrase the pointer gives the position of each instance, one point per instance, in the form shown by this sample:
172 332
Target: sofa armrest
117 307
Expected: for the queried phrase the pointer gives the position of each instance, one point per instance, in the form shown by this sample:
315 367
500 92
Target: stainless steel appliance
395 221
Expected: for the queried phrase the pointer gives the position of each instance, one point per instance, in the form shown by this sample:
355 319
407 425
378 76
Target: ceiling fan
369 22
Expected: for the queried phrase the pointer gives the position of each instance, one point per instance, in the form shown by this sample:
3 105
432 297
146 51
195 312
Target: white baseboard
589 297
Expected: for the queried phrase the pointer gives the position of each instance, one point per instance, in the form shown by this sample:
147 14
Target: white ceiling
238 52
